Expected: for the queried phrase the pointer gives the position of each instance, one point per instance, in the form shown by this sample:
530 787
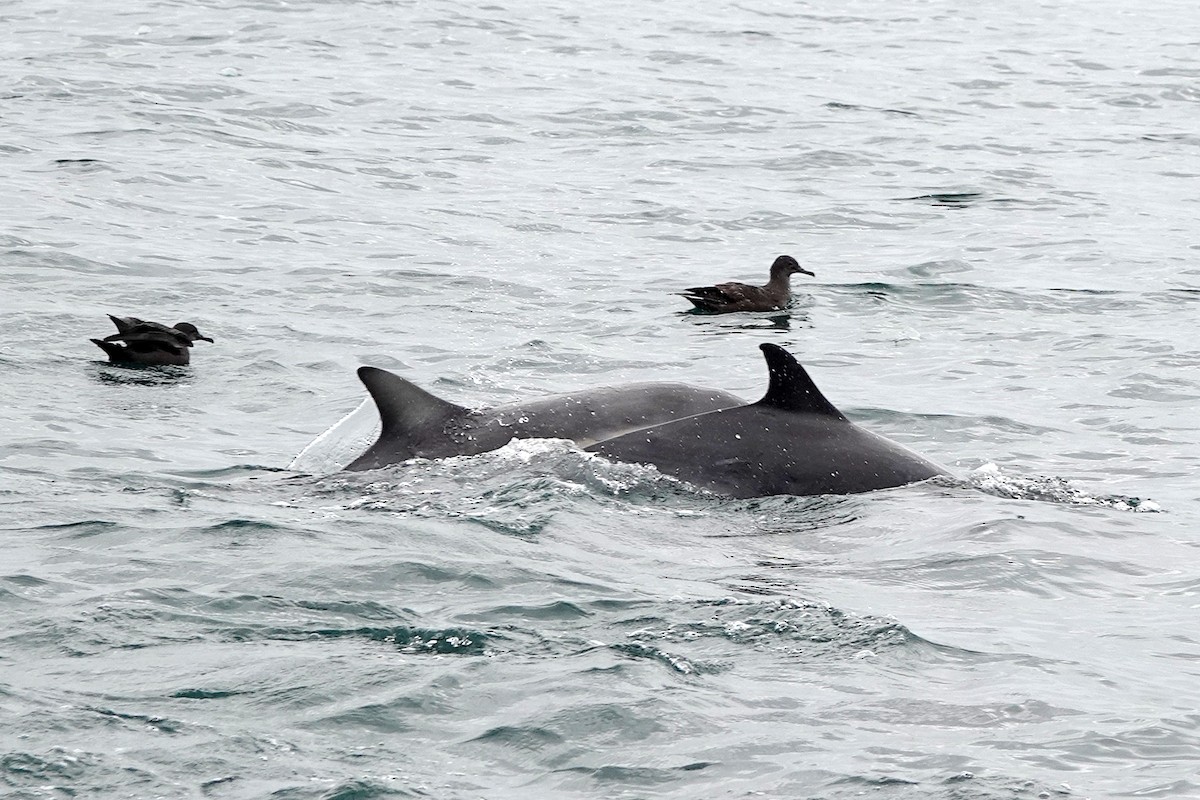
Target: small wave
248 526
557 610
806 629
621 774
988 478
205 694
406 639
679 664
56 767
952 199
222 474
373 788
159 724
521 737
82 529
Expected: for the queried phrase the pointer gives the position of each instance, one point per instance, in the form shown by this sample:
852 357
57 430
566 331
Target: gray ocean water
497 201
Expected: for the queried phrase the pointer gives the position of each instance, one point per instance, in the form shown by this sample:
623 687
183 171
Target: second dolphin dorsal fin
403 406
791 389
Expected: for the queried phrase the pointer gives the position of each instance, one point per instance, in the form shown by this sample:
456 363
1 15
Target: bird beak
806 272
203 339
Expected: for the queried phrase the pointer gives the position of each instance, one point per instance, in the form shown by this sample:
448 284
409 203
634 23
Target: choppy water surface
498 201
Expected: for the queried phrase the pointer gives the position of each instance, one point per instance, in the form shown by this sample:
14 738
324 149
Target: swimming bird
726 297
149 343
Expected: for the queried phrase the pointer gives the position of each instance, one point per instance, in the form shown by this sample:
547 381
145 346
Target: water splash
344 441
988 478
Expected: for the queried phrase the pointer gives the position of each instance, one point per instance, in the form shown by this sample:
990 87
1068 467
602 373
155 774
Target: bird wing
721 293
159 345
124 323
150 334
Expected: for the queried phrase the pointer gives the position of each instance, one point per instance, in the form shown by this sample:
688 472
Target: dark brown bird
726 297
149 343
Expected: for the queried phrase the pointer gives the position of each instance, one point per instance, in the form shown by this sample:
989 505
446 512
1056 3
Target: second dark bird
150 343
726 297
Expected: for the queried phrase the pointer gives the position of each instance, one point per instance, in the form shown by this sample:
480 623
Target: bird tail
115 351
702 303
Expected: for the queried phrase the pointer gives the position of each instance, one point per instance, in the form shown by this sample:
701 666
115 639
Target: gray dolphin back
793 441
416 424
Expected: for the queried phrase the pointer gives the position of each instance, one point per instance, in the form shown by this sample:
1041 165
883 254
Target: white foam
341 443
990 479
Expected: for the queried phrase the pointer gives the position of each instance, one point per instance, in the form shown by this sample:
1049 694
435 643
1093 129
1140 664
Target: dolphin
417 424
792 441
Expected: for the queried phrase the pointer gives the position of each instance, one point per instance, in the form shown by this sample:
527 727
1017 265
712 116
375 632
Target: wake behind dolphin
792 441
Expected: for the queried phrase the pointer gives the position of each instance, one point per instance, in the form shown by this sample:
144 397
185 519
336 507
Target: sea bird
150 343
726 297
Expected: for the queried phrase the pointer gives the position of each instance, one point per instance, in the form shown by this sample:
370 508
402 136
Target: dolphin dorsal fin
791 389
402 405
